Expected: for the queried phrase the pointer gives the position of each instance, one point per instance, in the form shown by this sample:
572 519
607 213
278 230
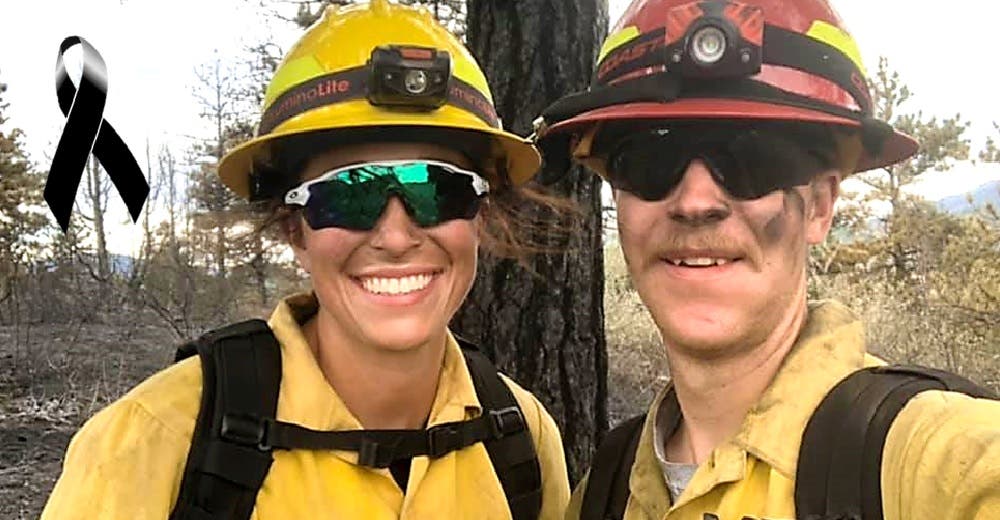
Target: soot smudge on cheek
776 226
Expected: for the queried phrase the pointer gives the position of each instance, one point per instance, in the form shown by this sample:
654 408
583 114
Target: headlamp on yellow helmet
369 73
414 77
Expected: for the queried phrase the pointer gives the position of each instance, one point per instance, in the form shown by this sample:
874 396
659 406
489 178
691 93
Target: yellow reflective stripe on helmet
837 38
290 74
617 40
466 69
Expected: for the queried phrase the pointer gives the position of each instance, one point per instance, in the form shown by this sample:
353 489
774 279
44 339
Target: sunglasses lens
748 163
443 196
640 166
352 203
762 162
355 198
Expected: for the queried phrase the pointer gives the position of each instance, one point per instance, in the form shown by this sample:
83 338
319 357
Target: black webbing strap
659 87
380 448
607 489
781 47
840 460
790 49
236 430
241 372
513 456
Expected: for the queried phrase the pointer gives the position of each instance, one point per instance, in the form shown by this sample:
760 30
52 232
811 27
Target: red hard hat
776 60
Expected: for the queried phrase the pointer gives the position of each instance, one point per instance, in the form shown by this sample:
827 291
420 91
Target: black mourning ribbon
86 131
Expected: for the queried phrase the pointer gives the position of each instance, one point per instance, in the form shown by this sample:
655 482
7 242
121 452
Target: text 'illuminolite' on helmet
377 66
771 60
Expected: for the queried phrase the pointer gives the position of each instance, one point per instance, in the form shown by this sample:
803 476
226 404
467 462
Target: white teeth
406 284
699 262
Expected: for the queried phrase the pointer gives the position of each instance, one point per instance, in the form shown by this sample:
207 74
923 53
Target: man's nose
698 199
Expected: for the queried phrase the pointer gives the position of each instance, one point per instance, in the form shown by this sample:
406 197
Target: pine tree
22 207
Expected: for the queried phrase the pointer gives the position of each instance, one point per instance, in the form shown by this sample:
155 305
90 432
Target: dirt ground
50 382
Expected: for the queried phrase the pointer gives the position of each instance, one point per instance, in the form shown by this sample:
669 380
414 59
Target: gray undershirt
677 475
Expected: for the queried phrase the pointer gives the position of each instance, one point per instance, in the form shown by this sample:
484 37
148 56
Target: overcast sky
151 47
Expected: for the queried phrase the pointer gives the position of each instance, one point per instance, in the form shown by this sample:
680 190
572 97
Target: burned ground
52 378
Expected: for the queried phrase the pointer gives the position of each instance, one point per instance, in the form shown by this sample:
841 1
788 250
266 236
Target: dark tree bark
546 330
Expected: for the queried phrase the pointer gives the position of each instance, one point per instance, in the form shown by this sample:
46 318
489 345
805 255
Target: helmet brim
518 154
896 147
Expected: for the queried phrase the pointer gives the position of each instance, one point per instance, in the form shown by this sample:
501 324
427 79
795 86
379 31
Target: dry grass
905 325
637 365
902 324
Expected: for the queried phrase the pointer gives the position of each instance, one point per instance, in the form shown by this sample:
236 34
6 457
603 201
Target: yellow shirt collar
307 398
830 345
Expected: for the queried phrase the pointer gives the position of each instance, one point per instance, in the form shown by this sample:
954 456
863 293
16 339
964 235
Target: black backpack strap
513 454
381 448
840 459
226 464
607 489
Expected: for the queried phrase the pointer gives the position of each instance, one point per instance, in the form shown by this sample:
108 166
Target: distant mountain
988 193
121 264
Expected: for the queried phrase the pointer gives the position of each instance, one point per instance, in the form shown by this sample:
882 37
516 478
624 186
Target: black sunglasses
748 161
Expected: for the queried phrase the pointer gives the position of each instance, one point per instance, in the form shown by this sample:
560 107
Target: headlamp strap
351 84
622 68
791 49
653 88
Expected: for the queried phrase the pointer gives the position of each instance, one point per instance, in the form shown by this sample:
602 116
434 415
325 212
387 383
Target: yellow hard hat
367 65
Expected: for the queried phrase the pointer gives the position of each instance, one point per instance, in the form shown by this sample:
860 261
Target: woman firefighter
385 166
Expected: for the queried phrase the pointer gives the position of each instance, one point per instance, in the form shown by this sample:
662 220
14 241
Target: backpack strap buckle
506 421
246 430
375 454
443 439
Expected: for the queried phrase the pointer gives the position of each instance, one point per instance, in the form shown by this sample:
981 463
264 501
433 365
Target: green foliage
945 311
927 284
991 152
22 214
941 141
967 277
223 234
227 95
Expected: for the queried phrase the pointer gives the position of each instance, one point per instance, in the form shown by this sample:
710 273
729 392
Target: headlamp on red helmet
715 39
754 60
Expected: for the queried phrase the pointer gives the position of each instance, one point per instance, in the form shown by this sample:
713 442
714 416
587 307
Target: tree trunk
545 330
259 266
220 250
167 169
98 202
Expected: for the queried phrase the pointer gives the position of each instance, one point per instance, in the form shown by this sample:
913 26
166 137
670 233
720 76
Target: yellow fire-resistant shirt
127 461
941 459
